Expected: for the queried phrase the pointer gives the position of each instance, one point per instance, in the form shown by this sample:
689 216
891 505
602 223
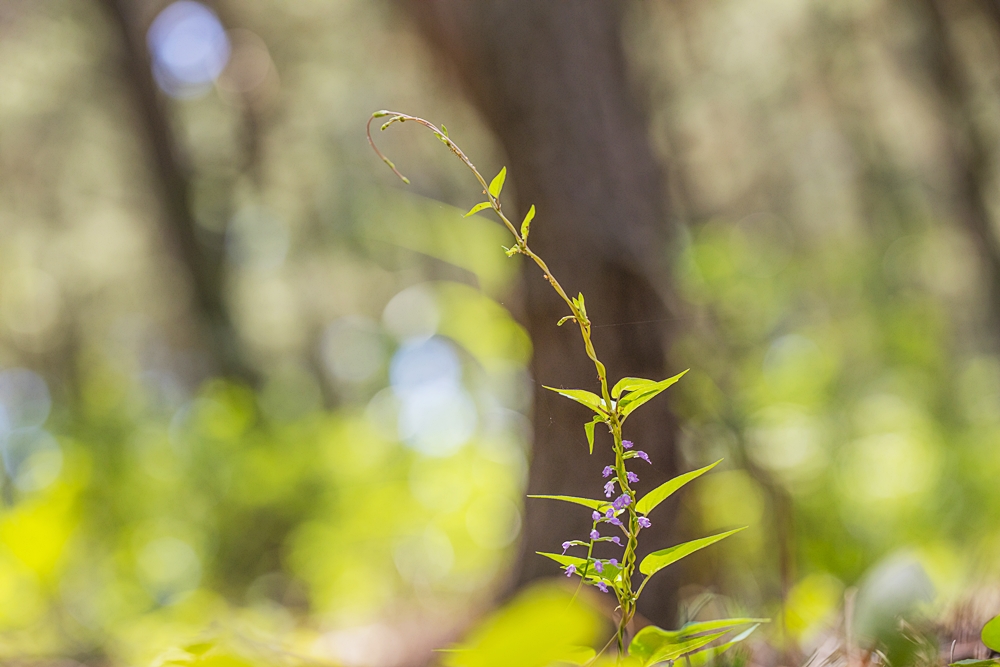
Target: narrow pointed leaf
581 305
630 384
704 656
526 223
698 627
654 644
589 428
649 501
991 634
477 208
630 402
582 396
599 505
496 185
658 560
609 574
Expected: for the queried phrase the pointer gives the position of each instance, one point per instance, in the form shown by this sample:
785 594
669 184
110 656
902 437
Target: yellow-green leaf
586 502
582 396
665 490
496 185
526 223
658 560
628 404
477 208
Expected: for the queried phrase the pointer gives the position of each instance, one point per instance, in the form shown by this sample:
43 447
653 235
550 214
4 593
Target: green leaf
526 223
496 185
649 501
609 574
658 560
599 505
657 645
582 396
589 428
707 626
566 319
478 207
629 403
444 130
702 657
991 634
651 639
578 655
630 384
581 305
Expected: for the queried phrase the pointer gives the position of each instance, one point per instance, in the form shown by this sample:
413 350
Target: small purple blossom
614 561
594 534
609 489
639 454
644 522
614 521
598 566
622 501
627 444
610 513
607 472
616 540
570 570
596 515
566 546
632 477
602 586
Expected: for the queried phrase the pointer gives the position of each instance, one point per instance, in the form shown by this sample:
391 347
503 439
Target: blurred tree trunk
969 158
550 79
180 230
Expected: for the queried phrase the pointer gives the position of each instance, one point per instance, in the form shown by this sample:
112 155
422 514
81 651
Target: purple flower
632 477
607 472
594 534
596 515
639 454
598 566
609 488
627 444
616 540
603 586
644 522
566 546
622 501
614 521
614 561
570 570
610 513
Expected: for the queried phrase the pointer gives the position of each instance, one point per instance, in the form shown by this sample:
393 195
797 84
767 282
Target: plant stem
626 597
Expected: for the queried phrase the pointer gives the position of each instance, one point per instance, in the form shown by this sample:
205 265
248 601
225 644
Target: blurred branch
204 267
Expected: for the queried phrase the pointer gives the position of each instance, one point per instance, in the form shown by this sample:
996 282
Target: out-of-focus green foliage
831 306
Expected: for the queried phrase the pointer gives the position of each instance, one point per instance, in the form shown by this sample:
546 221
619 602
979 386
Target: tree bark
550 78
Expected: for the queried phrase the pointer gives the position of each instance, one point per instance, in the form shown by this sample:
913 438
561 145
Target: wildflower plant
620 516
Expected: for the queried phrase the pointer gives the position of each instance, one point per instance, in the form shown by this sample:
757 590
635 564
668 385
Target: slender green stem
626 597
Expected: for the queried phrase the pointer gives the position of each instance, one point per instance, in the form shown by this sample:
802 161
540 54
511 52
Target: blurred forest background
251 387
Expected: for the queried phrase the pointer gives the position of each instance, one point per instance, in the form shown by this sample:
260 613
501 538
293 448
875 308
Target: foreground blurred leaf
543 625
991 634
